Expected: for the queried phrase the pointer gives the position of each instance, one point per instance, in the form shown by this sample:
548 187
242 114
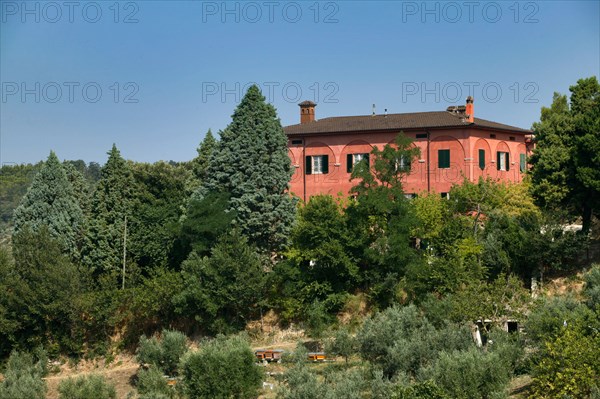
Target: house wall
464 145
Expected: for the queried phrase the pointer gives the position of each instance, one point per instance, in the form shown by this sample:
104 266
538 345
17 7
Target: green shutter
349 163
522 162
507 161
443 158
308 169
367 158
482 159
498 155
325 164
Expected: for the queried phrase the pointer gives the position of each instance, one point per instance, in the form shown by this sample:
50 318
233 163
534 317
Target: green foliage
592 286
222 368
400 340
342 344
564 161
206 220
111 204
548 317
23 376
152 383
164 354
320 245
38 305
52 202
222 291
157 207
86 387
14 182
251 163
381 220
201 163
470 374
569 366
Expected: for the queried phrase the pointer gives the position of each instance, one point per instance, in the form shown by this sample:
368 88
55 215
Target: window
353 159
403 164
317 165
443 159
421 135
503 161
482 159
445 195
296 142
522 162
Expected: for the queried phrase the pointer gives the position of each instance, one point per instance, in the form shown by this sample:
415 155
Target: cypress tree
51 202
111 203
251 163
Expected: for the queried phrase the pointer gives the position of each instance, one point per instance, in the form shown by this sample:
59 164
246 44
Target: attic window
421 135
511 138
296 142
492 136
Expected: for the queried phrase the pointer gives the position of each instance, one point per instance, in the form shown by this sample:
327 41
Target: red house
454 145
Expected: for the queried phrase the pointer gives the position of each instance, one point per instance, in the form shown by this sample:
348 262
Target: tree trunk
587 218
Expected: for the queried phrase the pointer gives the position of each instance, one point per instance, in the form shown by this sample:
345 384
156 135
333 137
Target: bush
86 387
164 354
221 369
592 287
400 340
152 383
470 374
23 376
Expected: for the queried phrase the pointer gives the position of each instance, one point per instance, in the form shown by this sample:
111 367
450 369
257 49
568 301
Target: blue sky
154 76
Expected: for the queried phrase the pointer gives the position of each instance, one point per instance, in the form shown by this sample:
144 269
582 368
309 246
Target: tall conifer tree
251 163
111 203
51 201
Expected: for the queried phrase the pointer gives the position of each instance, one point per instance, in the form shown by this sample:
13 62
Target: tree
381 219
251 163
51 202
222 368
565 161
202 161
158 200
222 290
111 205
40 300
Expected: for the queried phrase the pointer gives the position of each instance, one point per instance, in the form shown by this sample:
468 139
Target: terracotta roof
408 121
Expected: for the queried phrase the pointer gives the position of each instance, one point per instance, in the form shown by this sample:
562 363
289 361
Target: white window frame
356 158
317 164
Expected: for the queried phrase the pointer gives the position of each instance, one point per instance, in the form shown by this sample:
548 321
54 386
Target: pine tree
201 162
51 202
111 204
251 163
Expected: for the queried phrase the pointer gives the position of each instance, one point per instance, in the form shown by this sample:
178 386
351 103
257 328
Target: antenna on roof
385 113
373 110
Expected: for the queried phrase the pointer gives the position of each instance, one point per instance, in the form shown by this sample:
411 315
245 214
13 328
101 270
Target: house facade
453 144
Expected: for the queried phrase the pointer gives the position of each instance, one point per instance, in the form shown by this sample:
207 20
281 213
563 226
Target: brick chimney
469 110
307 112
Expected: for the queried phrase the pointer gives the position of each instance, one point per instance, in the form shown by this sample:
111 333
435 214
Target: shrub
221 369
152 383
342 344
86 387
165 354
592 287
469 374
23 376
